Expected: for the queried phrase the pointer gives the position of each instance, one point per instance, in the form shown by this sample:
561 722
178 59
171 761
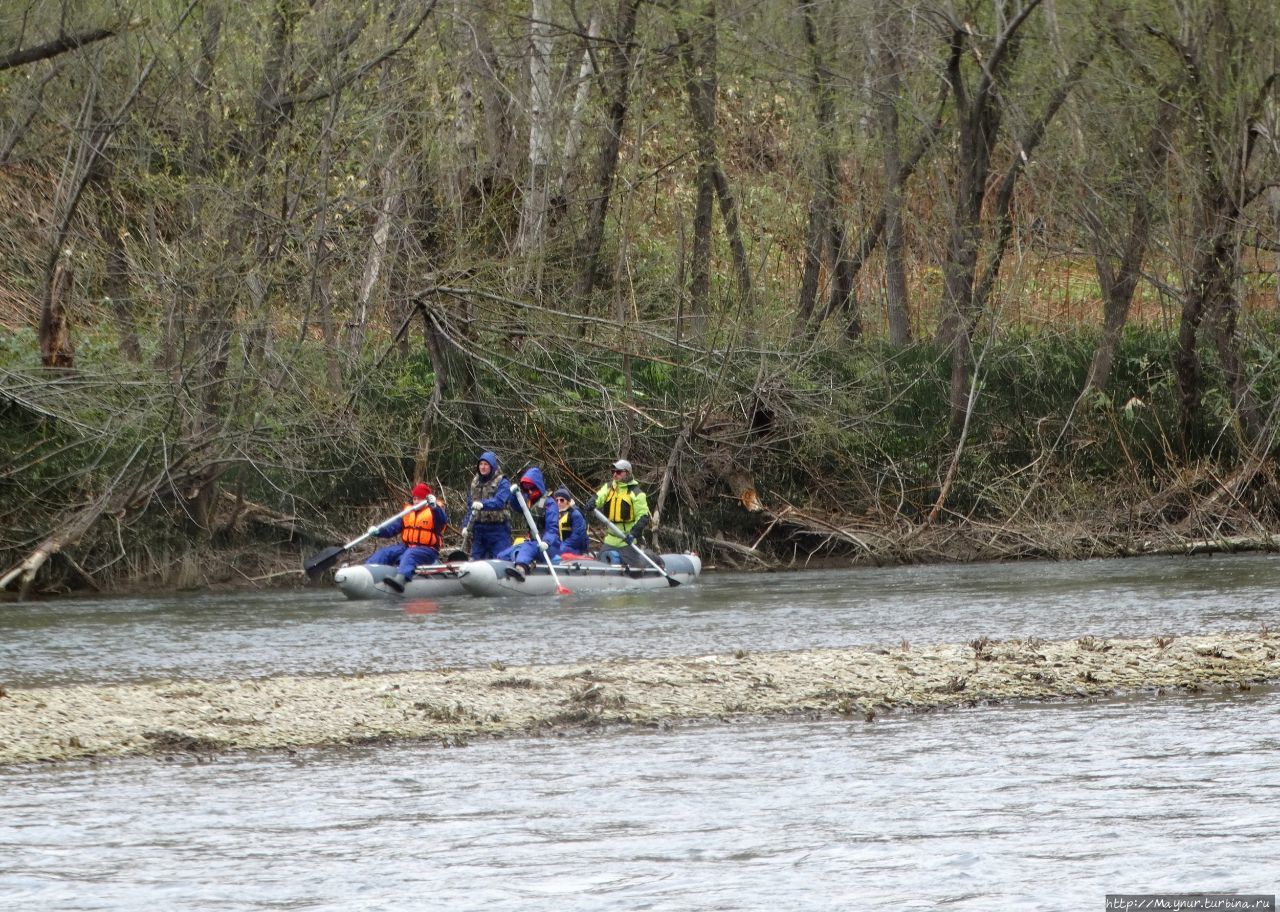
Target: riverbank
454 706
848 542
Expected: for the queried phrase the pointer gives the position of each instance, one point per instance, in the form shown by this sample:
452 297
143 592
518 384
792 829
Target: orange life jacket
420 529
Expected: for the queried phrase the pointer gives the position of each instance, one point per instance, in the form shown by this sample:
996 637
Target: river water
317 631
1009 807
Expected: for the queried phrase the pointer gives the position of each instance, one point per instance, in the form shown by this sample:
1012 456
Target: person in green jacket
623 504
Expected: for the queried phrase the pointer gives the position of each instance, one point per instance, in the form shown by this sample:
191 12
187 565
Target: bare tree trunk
844 293
822 203
502 143
697 55
464 118
388 205
977 136
202 80
573 130
90 140
1119 282
698 52
320 297
60 45
1220 106
700 258
621 65
56 350
533 214
1224 317
733 231
896 305
1273 204
245 239
391 147
849 259
116 281
203 230
484 128
814 247
1118 285
979 111
1002 209
1186 358
440 371
1212 295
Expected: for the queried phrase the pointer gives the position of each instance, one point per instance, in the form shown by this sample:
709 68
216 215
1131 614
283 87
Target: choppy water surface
317 631
1046 807
1019 807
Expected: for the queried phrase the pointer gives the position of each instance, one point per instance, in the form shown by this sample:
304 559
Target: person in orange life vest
419 533
525 553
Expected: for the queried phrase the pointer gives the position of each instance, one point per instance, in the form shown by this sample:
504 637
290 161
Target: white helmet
622 466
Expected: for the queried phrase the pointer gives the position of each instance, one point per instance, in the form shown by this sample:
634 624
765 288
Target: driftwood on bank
791 536
135 487
803 533
735 550
247 512
1226 544
65 534
68 533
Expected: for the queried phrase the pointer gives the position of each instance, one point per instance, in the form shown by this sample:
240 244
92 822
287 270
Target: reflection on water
1045 807
319 632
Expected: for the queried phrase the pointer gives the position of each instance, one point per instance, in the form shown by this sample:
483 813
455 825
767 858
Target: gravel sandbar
455 705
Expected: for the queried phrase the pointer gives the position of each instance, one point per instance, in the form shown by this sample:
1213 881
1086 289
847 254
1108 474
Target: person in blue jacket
573 525
543 510
419 531
564 528
488 519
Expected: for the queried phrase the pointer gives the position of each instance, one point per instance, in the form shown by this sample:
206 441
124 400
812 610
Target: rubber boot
397 582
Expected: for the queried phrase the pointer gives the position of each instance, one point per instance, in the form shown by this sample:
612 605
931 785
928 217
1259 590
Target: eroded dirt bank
453 705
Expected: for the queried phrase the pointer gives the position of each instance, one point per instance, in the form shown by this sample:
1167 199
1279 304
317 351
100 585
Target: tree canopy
268 262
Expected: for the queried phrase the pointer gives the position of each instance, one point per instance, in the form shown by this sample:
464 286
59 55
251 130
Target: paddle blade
672 581
321 561
563 590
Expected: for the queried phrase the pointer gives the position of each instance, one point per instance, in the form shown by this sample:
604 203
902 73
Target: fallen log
65 535
739 550
68 533
123 495
1226 544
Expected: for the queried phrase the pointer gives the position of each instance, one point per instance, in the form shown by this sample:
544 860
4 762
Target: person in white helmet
626 506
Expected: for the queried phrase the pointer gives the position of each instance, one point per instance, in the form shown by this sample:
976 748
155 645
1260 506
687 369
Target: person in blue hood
488 519
532 488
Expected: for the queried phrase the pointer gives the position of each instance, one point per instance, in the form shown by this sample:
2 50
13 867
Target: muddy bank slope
454 705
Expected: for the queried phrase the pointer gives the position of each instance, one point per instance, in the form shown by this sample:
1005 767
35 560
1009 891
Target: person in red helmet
419 532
